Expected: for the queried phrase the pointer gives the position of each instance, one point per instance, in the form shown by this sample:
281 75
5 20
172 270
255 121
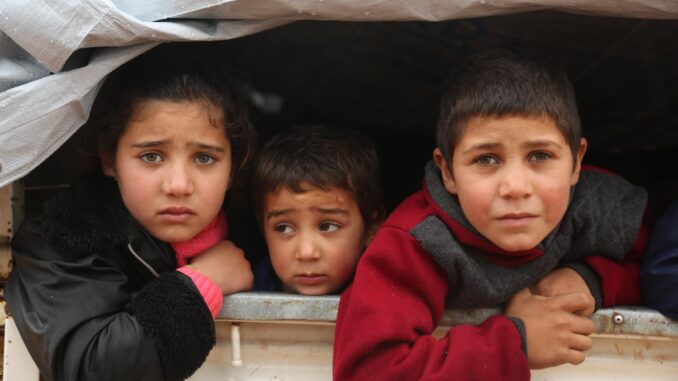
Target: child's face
314 238
172 166
512 176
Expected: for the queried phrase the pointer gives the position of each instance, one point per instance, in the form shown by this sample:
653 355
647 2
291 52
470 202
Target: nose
177 180
308 248
515 182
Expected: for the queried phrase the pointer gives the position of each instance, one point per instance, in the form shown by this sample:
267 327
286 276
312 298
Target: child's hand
225 264
554 334
564 281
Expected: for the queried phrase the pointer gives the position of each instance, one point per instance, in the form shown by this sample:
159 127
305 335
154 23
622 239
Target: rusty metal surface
252 306
11 216
634 321
5 231
5 215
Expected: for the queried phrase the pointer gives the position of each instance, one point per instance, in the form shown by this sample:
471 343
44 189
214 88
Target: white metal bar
236 359
17 363
301 350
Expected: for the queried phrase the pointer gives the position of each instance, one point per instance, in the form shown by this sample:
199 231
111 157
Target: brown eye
329 226
283 228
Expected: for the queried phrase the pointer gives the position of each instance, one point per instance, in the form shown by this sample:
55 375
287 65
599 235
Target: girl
116 280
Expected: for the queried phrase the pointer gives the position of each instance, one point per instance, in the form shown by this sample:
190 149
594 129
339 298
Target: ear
107 163
448 179
578 160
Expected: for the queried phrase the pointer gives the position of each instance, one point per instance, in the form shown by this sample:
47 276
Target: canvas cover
47 87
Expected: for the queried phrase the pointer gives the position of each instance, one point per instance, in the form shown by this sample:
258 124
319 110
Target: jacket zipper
131 250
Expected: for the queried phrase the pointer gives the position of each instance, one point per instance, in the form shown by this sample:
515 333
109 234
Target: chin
312 292
174 237
518 246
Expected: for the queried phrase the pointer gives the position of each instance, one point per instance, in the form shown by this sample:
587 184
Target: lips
310 279
176 214
516 216
517 219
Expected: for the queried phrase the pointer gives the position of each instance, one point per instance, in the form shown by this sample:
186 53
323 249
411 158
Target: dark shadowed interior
385 80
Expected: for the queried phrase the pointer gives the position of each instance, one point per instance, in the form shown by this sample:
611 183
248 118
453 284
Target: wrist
591 279
209 290
520 326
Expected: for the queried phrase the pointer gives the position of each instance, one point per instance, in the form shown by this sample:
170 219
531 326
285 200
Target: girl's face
173 165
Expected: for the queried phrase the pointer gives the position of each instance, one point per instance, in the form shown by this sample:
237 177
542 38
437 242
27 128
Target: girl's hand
564 281
225 264
555 335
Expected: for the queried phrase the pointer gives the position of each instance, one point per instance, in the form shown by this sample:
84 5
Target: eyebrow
530 144
330 210
541 143
276 213
158 143
482 147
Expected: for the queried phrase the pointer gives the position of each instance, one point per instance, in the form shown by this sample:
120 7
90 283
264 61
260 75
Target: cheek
136 193
475 202
279 252
281 264
555 201
345 256
215 196
343 266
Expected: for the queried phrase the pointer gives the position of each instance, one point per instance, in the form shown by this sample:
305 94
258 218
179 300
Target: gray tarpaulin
47 92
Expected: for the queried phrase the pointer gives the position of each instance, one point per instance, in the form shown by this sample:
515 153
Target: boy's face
172 165
314 238
512 176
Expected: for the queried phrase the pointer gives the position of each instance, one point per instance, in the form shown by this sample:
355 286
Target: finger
524 293
575 301
585 313
537 289
580 342
582 325
575 357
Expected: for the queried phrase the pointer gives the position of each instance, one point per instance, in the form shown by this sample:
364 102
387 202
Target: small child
318 199
505 206
121 276
659 272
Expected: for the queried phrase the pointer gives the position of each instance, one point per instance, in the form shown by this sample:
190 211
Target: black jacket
95 297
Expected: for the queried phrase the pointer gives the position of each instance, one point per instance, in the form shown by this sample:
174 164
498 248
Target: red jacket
387 316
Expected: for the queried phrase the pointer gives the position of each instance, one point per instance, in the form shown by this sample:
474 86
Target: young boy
504 204
317 194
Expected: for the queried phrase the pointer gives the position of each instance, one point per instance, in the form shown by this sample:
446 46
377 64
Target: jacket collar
90 217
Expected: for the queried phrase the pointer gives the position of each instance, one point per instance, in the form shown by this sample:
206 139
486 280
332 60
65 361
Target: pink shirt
213 233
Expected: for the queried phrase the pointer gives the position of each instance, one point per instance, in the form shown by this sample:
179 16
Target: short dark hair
324 157
177 73
499 83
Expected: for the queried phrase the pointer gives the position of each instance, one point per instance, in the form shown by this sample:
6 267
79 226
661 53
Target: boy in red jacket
506 218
